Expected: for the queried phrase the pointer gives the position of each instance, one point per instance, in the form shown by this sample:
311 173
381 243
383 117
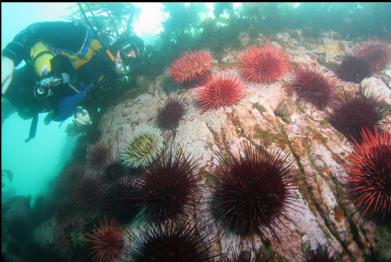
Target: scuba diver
68 72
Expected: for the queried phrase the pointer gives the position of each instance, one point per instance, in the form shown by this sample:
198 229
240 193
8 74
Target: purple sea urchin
377 53
353 69
171 242
88 193
353 113
321 254
168 187
113 172
252 192
313 87
170 113
118 201
238 255
98 156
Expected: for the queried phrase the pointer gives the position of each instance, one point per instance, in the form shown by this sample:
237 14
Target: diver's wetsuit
70 37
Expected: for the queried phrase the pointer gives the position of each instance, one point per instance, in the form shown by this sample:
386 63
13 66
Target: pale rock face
229 57
314 147
195 134
377 88
333 49
244 38
387 71
282 36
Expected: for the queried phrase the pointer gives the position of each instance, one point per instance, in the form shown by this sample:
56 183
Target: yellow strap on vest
79 61
41 55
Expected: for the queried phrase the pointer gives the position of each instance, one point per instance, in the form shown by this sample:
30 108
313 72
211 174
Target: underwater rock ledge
271 116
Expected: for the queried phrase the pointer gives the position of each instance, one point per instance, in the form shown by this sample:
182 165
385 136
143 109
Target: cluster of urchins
358 117
253 191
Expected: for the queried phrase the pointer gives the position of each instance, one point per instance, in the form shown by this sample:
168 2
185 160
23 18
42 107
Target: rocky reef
271 116
203 128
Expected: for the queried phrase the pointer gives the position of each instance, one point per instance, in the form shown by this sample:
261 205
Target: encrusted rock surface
376 87
323 216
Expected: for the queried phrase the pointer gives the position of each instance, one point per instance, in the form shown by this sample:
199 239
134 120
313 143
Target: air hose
108 52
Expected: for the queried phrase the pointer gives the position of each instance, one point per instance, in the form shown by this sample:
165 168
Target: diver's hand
7 69
81 118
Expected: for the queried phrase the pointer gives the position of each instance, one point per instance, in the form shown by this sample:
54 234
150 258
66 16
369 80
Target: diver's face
131 54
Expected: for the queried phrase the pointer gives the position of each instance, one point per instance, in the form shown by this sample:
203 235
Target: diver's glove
81 117
7 69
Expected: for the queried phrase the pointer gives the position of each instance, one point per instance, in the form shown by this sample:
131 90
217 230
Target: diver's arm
67 35
18 49
7 70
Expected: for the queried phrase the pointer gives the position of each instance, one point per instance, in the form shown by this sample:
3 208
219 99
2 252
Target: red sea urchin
107 242
263 64
313 87
353 113
170 113
223 90
171 242
252 192
168 187
369 170
191 66
353 69
377 53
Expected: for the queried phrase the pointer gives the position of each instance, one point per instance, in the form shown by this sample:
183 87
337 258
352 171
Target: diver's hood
126 45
